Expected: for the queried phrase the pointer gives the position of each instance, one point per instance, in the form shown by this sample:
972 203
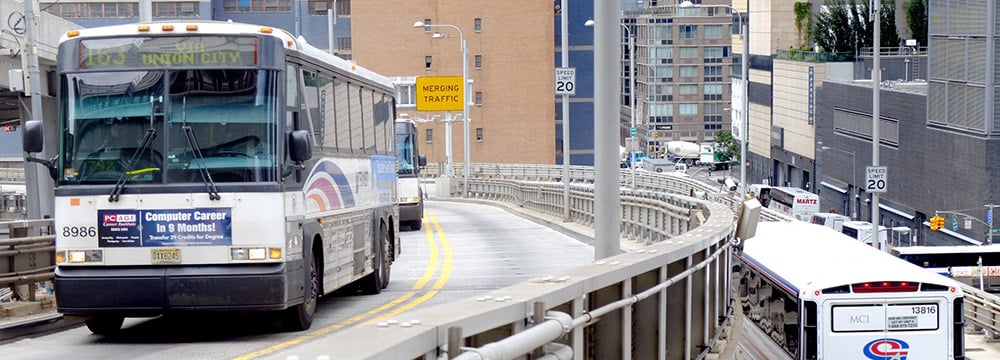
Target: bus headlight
80 256
254 253
409 200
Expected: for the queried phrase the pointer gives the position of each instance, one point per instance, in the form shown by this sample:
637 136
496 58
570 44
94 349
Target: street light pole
465 105
564 52
631 76
876 92
745 100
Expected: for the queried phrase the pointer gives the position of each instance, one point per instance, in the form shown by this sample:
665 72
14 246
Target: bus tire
300 317
416 224
379 278
105 324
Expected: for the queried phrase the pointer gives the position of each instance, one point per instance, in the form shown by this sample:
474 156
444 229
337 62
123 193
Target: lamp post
465 104
854 179
631 89
745 100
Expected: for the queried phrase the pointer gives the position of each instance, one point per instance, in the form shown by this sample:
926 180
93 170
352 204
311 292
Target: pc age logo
887 349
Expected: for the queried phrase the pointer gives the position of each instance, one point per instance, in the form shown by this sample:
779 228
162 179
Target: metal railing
27 256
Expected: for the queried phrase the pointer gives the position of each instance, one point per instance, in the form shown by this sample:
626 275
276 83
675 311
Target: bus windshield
231 113
406 150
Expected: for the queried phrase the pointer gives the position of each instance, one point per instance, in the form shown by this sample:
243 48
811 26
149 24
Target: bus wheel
105 324
300 317
416 225
379 278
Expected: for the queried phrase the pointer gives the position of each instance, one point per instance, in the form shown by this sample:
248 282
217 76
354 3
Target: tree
844 26
916 19
727 145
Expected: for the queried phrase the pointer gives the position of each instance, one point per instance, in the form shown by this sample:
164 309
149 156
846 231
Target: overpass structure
668 297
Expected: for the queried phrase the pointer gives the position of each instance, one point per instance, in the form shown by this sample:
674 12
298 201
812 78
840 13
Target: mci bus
964 263
213 166
408 165
809 292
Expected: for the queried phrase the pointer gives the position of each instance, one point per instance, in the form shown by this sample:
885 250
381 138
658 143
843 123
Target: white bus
213 166
408 165
808 292
794 202
862 231
964 263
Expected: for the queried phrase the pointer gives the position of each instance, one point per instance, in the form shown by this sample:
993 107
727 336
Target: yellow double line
396 306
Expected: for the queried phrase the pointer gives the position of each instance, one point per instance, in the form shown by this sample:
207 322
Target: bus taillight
885 286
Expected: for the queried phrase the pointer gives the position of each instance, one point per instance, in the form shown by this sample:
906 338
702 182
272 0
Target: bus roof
807 257
953 249
792 190
228 28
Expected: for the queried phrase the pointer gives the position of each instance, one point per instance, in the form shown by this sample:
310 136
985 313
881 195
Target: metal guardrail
27 256
983 310
677 284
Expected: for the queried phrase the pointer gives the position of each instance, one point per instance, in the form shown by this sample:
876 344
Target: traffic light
937 223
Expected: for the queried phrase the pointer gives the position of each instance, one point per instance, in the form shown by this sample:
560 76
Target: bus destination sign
168 52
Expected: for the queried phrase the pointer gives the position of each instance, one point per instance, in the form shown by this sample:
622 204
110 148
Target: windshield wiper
206 177
147 141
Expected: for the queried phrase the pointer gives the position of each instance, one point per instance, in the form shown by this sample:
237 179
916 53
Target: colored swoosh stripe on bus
328 188
398 305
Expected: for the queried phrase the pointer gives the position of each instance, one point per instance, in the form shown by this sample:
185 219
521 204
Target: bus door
887 329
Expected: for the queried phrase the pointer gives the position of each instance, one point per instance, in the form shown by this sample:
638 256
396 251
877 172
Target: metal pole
876 89
607 199
745 60
145 10
631 95
35 176
465 111
331 22
564 47
448 170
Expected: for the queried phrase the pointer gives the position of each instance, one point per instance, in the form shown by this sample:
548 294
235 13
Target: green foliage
844 26
916 19
726 144
802 23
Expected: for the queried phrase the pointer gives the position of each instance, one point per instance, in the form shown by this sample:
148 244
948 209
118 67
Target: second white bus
808 292
794 202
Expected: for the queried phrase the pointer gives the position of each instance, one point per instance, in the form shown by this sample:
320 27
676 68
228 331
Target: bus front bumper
151 291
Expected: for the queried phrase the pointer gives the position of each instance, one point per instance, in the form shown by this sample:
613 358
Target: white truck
684 151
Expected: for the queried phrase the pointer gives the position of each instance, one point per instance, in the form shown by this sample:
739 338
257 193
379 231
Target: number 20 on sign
876 179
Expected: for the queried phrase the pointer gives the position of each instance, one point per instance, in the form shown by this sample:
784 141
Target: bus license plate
166 256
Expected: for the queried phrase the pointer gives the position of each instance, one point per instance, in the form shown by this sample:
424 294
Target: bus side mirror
32 138
422 160
298 145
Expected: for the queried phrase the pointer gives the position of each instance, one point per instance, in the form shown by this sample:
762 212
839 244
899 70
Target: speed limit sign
565 81
876 179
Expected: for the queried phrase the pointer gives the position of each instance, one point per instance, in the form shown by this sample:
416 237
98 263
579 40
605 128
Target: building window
406 95
257 6
689 71
427 25
688 89
479 134
713 31
715 53
688 31
427 62
687 109
479 61
713 92
479 25
169 9
479 98
430 136
691 11
319 7
689 52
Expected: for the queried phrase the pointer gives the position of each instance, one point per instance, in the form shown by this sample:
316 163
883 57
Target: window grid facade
685 103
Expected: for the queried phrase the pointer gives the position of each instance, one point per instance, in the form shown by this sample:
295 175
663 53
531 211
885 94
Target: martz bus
213 166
